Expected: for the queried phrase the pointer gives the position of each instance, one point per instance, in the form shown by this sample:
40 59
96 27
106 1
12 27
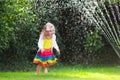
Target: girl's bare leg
45 70
38 69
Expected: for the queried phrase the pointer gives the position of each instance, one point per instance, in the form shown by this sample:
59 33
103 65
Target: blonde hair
47 27
50 25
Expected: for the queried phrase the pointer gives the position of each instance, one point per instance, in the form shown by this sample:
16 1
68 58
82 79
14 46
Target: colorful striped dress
46 58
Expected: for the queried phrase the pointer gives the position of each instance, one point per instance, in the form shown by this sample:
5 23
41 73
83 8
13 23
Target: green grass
68 73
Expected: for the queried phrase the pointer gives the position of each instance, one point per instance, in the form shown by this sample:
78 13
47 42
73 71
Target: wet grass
68 73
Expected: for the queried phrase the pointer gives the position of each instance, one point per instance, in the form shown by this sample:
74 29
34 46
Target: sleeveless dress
45 58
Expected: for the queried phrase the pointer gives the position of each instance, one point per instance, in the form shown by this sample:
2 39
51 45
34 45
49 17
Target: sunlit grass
67 73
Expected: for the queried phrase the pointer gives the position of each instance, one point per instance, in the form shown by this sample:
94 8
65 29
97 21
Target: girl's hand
58 52
42 50
38 50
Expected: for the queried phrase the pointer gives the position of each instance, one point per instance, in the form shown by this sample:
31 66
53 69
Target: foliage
17 29
111 1
21 21
79 35
93 42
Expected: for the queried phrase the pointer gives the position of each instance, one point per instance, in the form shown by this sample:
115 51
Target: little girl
47 41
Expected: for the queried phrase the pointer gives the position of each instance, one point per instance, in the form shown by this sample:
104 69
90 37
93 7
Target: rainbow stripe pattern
45 58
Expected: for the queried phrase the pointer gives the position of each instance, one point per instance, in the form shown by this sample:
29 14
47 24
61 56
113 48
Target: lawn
68 73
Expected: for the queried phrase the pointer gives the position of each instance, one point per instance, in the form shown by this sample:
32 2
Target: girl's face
49 30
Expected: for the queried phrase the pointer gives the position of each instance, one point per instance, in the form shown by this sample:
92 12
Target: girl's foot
38 69
45 70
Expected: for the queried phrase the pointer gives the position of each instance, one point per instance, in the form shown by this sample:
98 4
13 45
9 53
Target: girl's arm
40 43
55 45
